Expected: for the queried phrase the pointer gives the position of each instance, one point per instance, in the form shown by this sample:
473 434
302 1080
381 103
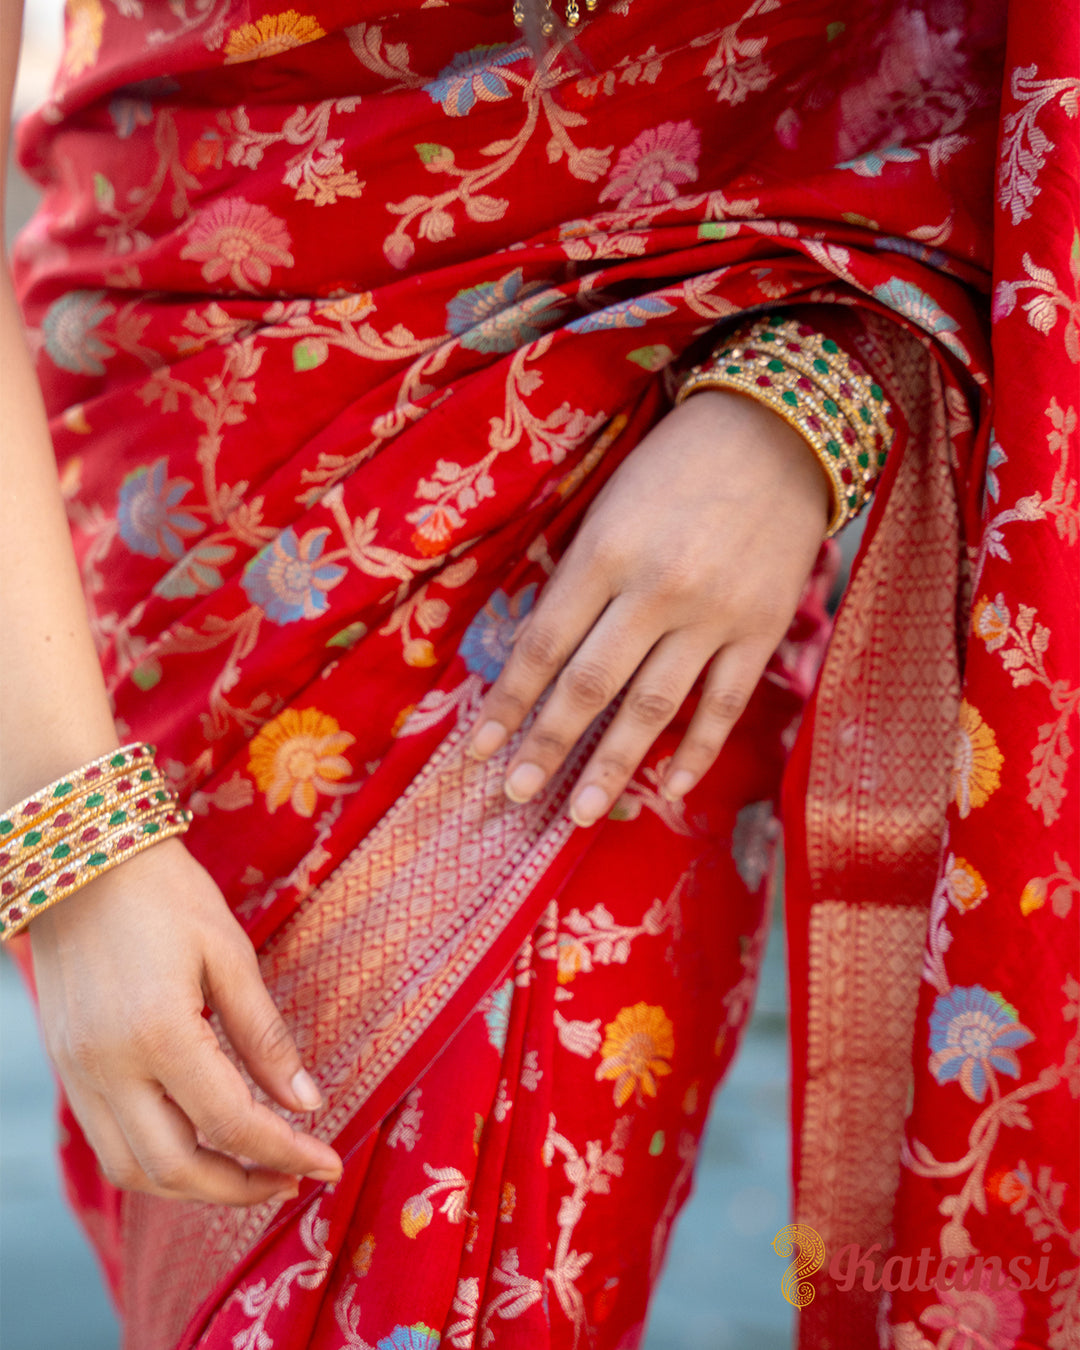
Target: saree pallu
344 317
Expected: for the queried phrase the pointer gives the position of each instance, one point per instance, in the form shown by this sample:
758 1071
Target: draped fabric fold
343 319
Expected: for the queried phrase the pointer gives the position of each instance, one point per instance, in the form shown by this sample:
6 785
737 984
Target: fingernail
589 805
280 1196
678 784
325 1175
305 1091
488 739
524 782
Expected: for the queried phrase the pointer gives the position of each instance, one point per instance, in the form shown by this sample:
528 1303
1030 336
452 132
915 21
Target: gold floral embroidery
297 756
270 35
82 41
636 1050
977 769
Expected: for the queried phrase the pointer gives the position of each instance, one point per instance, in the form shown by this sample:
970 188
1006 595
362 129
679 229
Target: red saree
315 293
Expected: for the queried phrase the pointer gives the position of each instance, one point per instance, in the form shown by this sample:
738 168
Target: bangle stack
826 395
78 827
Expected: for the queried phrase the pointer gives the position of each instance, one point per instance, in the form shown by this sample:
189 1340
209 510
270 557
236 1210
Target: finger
732 679
167 1150
118 1163
594 676
208 1089
568 607
257 1031
654 697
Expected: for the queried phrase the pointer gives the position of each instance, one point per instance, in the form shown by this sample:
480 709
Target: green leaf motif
309 353
654 357
348 637
715 229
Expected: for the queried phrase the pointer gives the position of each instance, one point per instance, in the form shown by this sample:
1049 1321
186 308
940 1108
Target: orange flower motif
990 621
966 886
271 35
297 756
977 768
636 1050
362 1256
85 20
434 533
507 1201
1033 896
572 959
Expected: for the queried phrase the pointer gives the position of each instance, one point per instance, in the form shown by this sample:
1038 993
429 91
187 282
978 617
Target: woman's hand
694 553
123 971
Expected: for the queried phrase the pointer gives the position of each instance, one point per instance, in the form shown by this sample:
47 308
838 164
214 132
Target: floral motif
271 35
966 887
434 531
986 1318
416 1337
363 1254
636 1050
572 957
68 329
85 20
753 842
973 1031
497 1015
495 317
977 767
990 621
240 240
653 168
297 756
150 518
285 579
871 164
472 75
624 314
915 304
489 638
994 460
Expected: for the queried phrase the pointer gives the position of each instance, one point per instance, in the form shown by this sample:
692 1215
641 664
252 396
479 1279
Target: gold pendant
547 22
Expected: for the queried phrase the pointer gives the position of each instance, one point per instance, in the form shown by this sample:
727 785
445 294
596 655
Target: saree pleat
343 319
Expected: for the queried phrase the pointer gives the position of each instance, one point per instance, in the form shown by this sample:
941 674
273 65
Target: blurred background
721 1288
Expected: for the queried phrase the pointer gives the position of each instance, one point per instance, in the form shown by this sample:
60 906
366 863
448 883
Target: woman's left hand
694 554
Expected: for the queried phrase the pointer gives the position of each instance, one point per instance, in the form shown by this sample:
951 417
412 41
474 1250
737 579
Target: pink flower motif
239 240
653 167
986 1318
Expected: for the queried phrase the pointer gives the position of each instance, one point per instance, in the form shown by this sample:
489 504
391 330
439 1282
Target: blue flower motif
913 302
473 75
489 638
149 517
871 164
994 460
416 1337
972 1031
286 582
497 1015
624 314
500 316
894 243
69 333
129 113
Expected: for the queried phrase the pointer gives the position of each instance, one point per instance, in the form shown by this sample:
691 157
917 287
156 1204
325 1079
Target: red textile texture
344 316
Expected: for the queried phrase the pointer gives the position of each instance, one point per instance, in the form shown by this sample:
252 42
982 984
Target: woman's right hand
124 969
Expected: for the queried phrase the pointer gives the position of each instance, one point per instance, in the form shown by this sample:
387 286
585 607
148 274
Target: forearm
54 711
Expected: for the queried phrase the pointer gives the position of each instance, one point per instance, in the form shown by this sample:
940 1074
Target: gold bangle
821 392
79 826
103 854
50 799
